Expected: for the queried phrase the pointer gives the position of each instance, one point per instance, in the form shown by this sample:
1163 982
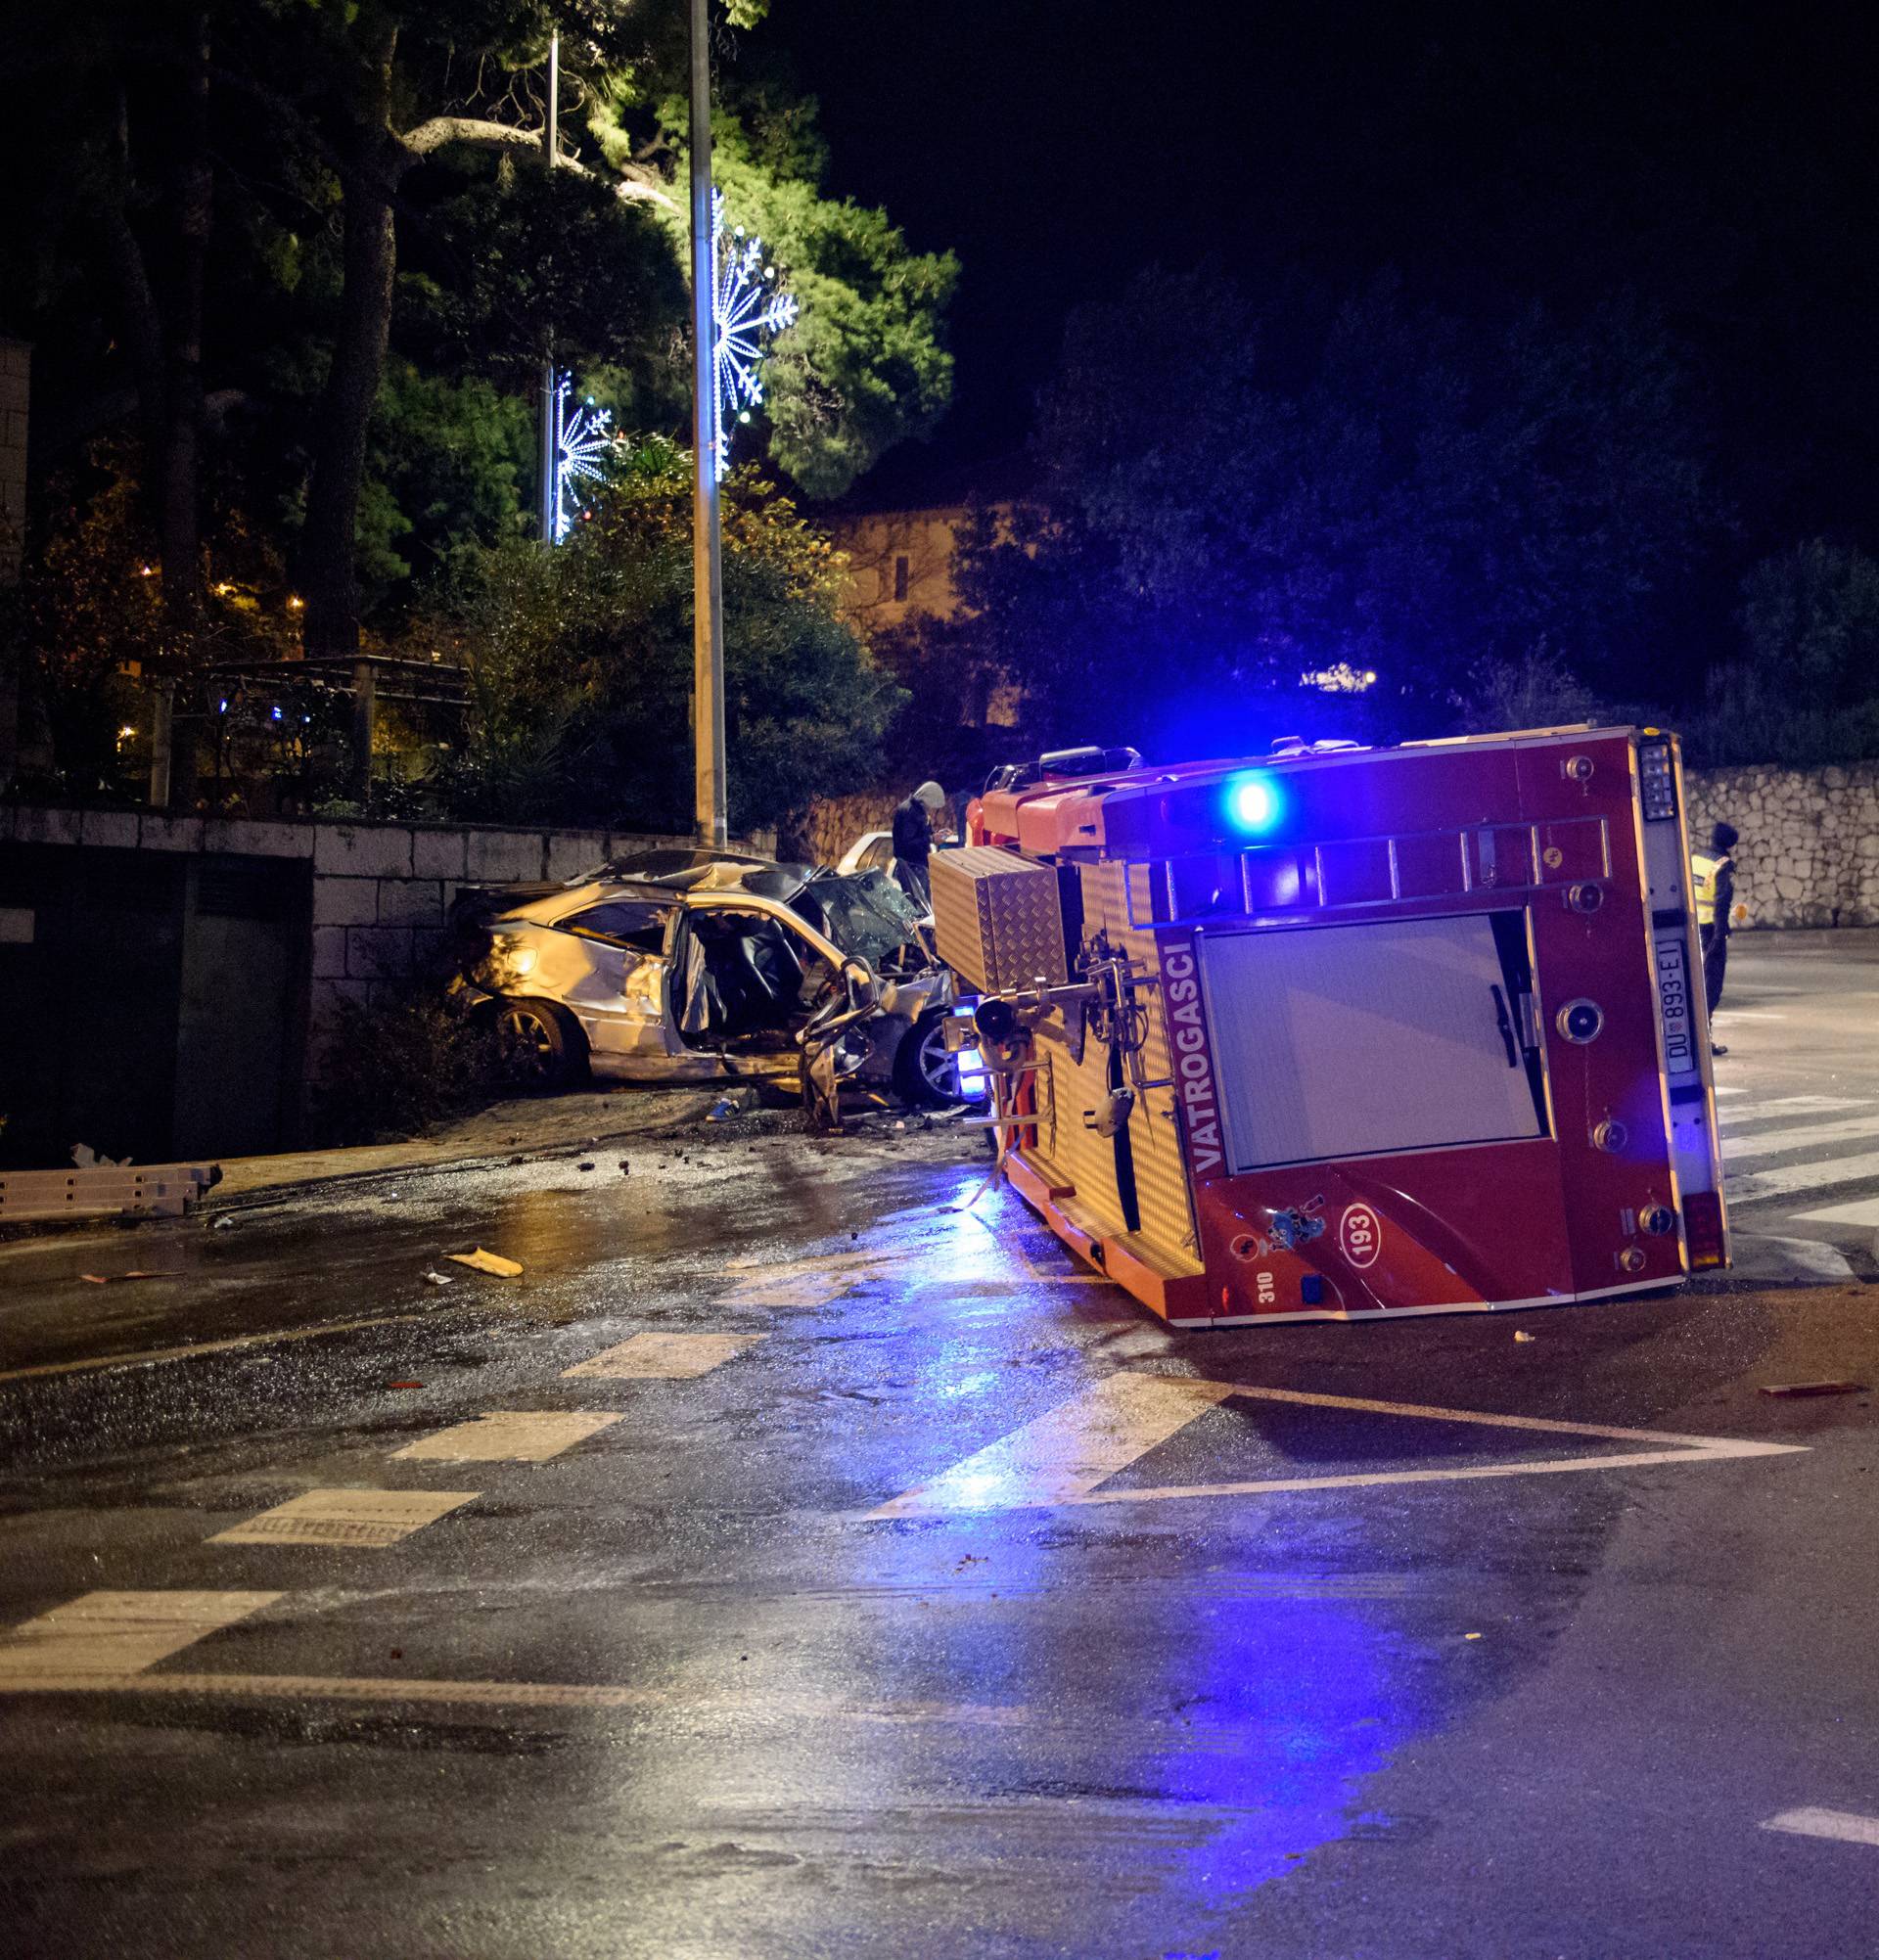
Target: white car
682 965
872 851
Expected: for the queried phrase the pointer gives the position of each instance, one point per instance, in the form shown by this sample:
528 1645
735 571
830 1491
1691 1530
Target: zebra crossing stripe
510 1436
664 1357
1791 1105
1862 1212
1791 1178
110 1634
368 1518
1772 1143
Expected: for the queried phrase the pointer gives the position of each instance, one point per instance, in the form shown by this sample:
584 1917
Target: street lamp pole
550 444
708 581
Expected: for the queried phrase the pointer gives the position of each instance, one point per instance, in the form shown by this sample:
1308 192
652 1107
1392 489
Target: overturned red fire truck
1345 1032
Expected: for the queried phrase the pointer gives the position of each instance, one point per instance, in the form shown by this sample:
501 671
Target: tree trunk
142 324
179 519
329 542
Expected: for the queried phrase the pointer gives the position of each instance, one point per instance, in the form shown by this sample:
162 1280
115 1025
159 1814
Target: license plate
1674 1007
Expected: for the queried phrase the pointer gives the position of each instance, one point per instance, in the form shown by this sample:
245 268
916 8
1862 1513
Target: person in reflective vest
1713 874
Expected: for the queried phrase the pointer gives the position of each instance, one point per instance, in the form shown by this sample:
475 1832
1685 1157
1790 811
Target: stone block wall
382 892
835 823
1808 853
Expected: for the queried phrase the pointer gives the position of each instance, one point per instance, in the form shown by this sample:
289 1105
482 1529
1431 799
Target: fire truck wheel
543 1047
924 1074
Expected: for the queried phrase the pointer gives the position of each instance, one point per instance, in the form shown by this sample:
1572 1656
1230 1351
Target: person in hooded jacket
1717 902
913 822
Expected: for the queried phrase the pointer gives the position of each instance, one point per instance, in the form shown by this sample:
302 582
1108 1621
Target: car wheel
541 1045
924 1073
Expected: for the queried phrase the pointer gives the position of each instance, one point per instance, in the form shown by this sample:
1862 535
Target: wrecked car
684 965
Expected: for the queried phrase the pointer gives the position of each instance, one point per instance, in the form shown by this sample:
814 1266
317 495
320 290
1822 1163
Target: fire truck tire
542 1045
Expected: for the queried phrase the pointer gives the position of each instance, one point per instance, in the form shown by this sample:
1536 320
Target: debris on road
1813 1389
102 1190
583 1166
440 1279
1521 1334
223 1222
488 1262
722 1111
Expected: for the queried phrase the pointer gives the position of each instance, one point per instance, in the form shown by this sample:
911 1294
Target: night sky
1721 168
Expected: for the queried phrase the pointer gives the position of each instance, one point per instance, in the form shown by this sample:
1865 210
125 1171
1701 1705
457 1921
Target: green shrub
401 1064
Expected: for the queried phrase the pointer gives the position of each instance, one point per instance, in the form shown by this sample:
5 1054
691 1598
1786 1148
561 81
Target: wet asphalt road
673 1691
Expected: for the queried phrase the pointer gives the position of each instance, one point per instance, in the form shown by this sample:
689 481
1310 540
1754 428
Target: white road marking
149 1357
1743 1150
1720 1091
1800 1177
741 1704
1862 1212
1069 1450
1848 1826
1745 1014
664 1357
808 1282
510 1436
114 1635
1468 1474
372 1519
1057 1460
1792 1105
1762 1256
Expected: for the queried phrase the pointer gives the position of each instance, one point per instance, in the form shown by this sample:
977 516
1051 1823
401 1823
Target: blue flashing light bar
1253 802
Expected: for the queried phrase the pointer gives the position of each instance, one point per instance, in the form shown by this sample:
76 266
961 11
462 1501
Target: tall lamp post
550 418
707 577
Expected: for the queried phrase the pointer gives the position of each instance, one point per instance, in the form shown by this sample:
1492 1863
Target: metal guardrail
152 1190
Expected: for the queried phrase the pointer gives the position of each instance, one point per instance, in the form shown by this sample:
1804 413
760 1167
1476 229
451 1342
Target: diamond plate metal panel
997 918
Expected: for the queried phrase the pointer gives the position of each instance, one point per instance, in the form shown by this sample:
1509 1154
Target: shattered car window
866 914
626 922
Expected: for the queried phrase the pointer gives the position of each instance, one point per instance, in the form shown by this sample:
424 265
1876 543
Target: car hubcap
939 1068
527 1041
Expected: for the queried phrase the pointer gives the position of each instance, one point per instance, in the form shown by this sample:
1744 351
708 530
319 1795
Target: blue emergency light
1253 803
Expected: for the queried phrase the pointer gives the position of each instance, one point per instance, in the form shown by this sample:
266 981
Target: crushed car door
747 978
620 1000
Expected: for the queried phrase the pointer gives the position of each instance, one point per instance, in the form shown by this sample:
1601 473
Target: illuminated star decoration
750 310
581 442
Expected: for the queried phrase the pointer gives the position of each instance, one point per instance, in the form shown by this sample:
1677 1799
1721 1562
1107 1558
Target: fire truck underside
1351 1033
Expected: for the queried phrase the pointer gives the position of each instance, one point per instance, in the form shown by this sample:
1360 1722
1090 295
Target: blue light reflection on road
1302 1700
1265 1697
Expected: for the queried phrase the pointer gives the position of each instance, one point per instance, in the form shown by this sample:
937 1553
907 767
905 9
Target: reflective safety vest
1704 870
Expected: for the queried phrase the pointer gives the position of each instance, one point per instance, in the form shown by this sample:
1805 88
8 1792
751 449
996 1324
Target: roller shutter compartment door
1343 1041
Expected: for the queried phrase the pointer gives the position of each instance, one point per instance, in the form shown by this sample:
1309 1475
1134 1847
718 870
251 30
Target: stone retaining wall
1809 854
381 892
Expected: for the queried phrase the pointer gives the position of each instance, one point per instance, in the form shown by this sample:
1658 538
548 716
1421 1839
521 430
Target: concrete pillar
162 730
365 715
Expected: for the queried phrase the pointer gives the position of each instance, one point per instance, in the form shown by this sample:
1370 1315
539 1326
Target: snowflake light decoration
750 310
581 442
